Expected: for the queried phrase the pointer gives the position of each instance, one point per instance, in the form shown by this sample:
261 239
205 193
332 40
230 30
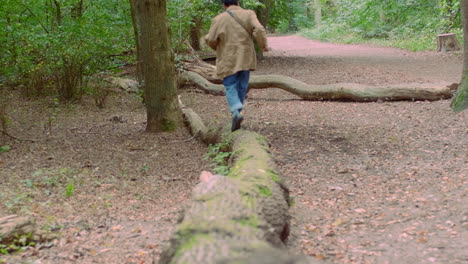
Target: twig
37 19
13 137
186 140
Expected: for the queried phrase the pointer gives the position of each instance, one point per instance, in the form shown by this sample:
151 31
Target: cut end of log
13 226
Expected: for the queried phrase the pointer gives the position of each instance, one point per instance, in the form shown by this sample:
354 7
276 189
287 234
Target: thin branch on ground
19 139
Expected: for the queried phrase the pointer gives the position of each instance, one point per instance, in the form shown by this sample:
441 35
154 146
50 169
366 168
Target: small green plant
4 149
69 190
219 155
52 116
18 202
99 89
145 169
54 181
292 201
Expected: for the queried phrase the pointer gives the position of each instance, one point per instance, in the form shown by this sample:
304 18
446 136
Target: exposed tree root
335 92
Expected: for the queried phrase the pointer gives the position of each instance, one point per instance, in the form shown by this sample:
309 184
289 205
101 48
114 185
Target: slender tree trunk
136 31
460 101
263 15
163 113
318 12
382 13
195 34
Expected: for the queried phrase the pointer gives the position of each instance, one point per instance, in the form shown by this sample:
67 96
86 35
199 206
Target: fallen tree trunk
233 216
13 226
333 92
209 135
239 218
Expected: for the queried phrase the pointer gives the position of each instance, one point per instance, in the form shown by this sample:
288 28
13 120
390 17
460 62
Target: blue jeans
236 88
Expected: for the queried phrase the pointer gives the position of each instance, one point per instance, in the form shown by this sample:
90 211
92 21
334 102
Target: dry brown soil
373 182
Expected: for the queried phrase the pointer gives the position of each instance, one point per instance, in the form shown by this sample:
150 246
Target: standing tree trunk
195 34
318 12
136 31
460 101
263 15
159 76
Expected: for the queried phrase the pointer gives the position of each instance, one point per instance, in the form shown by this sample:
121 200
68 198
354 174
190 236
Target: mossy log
233 216
209 135
332 92
239 218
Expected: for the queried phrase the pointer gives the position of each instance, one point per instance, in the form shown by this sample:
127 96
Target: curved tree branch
334 92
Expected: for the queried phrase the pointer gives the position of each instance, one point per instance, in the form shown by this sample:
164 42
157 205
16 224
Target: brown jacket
234 46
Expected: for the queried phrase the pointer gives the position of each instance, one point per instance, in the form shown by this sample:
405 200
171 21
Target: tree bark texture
460 100
136 31
209 135
195 34
333 92
163 113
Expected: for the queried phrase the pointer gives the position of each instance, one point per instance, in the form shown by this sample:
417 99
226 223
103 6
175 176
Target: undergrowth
19 244
403 38
219 155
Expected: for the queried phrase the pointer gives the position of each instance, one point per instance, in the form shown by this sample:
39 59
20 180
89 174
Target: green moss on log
229 215
252 221
191 242
264 190
274 175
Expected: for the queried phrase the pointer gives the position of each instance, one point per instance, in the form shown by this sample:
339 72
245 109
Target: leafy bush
60 42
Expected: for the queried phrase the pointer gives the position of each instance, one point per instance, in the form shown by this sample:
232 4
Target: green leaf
4 149
70 190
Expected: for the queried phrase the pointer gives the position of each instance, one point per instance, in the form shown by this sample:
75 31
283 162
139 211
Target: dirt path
322 63
374 182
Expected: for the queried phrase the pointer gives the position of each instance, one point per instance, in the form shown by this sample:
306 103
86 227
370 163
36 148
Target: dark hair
230 2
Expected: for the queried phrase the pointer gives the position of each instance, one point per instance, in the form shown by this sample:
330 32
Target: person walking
231 35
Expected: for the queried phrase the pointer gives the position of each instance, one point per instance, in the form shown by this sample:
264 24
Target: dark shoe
236 122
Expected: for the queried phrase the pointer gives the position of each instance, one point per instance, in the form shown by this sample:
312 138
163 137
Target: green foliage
219 155
18 202
4 148
19 244
292 201
57 43
54 181
252 221
407 24
183 15
264 190
69 190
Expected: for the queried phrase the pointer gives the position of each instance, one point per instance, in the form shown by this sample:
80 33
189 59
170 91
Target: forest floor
373 182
